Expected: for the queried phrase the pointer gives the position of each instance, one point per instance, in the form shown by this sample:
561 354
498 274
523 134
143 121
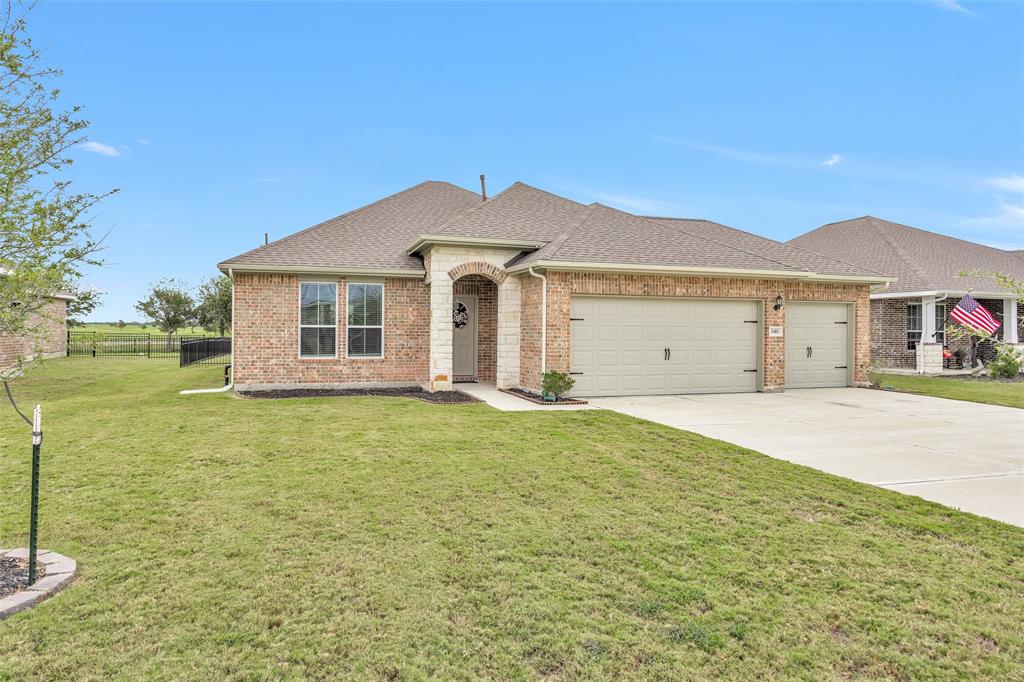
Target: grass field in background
368 538
139 329
1010 394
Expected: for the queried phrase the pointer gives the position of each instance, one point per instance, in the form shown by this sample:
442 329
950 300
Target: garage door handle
840 367
750 370
808 351
575 374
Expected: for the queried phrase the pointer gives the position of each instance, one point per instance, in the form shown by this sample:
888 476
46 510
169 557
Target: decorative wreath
460 315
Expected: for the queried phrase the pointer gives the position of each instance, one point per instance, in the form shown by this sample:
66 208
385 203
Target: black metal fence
205 351
123 344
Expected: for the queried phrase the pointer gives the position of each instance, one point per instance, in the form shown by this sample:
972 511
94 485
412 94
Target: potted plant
554 385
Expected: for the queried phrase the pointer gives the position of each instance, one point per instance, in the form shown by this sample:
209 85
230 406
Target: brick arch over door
491 272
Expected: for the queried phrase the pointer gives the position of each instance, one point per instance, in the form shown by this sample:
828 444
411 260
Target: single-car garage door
817 345
646 346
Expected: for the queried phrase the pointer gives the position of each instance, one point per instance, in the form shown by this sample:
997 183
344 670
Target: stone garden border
60 571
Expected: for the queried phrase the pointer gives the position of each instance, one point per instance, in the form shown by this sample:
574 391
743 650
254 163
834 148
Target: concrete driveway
965 455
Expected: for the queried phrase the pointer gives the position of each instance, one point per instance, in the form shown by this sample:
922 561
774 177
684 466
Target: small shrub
556 384
1006 365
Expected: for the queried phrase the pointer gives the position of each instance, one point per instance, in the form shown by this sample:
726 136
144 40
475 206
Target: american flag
972 314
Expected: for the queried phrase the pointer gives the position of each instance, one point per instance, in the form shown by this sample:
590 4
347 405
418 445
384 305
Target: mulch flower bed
14 575
534 398
440 397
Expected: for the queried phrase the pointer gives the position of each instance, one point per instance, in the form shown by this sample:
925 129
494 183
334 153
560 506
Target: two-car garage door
650 346
647 346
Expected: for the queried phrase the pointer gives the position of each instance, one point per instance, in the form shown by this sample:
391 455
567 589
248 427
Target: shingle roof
922 260
374 236
520 212
377 236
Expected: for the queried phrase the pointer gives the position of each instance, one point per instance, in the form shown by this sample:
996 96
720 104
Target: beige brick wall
562 285
52 322
266 336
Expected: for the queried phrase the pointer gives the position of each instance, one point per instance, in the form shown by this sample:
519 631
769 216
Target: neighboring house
928 284
434 285
52 341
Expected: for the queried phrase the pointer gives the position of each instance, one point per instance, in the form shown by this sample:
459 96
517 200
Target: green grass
134 328
368 538
992 392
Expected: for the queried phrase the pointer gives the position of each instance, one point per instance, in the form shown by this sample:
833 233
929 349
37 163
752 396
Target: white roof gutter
943 293
632 268
453 240
323 270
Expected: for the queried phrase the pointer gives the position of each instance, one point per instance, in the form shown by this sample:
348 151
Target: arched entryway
474 329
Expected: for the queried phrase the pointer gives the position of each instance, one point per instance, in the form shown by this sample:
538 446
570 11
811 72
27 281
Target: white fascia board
631 268
317 270
923 294
454 240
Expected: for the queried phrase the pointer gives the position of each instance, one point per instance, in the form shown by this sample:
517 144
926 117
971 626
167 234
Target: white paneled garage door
647 346
817 345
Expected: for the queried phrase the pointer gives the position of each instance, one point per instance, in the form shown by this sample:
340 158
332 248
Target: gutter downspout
543 321
223 389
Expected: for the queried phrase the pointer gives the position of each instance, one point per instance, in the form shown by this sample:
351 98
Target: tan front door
464 337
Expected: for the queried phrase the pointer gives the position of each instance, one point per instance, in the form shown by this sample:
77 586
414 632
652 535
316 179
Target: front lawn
369 538
1010 394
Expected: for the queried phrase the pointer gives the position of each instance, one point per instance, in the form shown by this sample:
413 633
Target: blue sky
220 122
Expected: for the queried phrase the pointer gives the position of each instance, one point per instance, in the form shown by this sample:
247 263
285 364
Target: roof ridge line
897 249
474 209
564 235
728 246
353 212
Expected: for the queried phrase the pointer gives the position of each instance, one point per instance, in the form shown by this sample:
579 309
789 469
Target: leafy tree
44 227
214 309
85 301
170 305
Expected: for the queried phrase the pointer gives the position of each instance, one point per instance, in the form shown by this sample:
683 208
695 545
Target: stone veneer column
509 306
929 358
440 334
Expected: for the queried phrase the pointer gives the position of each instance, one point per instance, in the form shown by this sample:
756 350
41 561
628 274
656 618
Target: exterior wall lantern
778 302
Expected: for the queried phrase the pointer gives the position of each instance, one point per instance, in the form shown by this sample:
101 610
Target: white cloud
1009 183
833 161
953 5
1010 215
100 148
737 154
632 202
144 141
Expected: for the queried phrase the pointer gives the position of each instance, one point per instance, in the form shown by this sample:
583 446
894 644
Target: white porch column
1010 322
509 305
928 319
440 334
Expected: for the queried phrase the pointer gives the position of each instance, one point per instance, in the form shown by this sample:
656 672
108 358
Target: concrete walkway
966 455
510 403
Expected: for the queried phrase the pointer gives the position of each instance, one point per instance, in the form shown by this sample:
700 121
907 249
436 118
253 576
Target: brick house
927 266
51 321
436 285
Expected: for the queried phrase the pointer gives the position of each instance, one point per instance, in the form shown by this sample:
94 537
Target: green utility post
37 441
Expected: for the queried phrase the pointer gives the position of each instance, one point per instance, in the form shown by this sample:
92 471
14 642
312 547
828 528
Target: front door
464 338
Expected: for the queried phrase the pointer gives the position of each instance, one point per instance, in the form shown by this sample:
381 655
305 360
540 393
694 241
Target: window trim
365 326
940 323
318 326
919 330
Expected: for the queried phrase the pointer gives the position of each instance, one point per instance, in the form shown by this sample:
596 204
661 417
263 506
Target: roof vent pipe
483 187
